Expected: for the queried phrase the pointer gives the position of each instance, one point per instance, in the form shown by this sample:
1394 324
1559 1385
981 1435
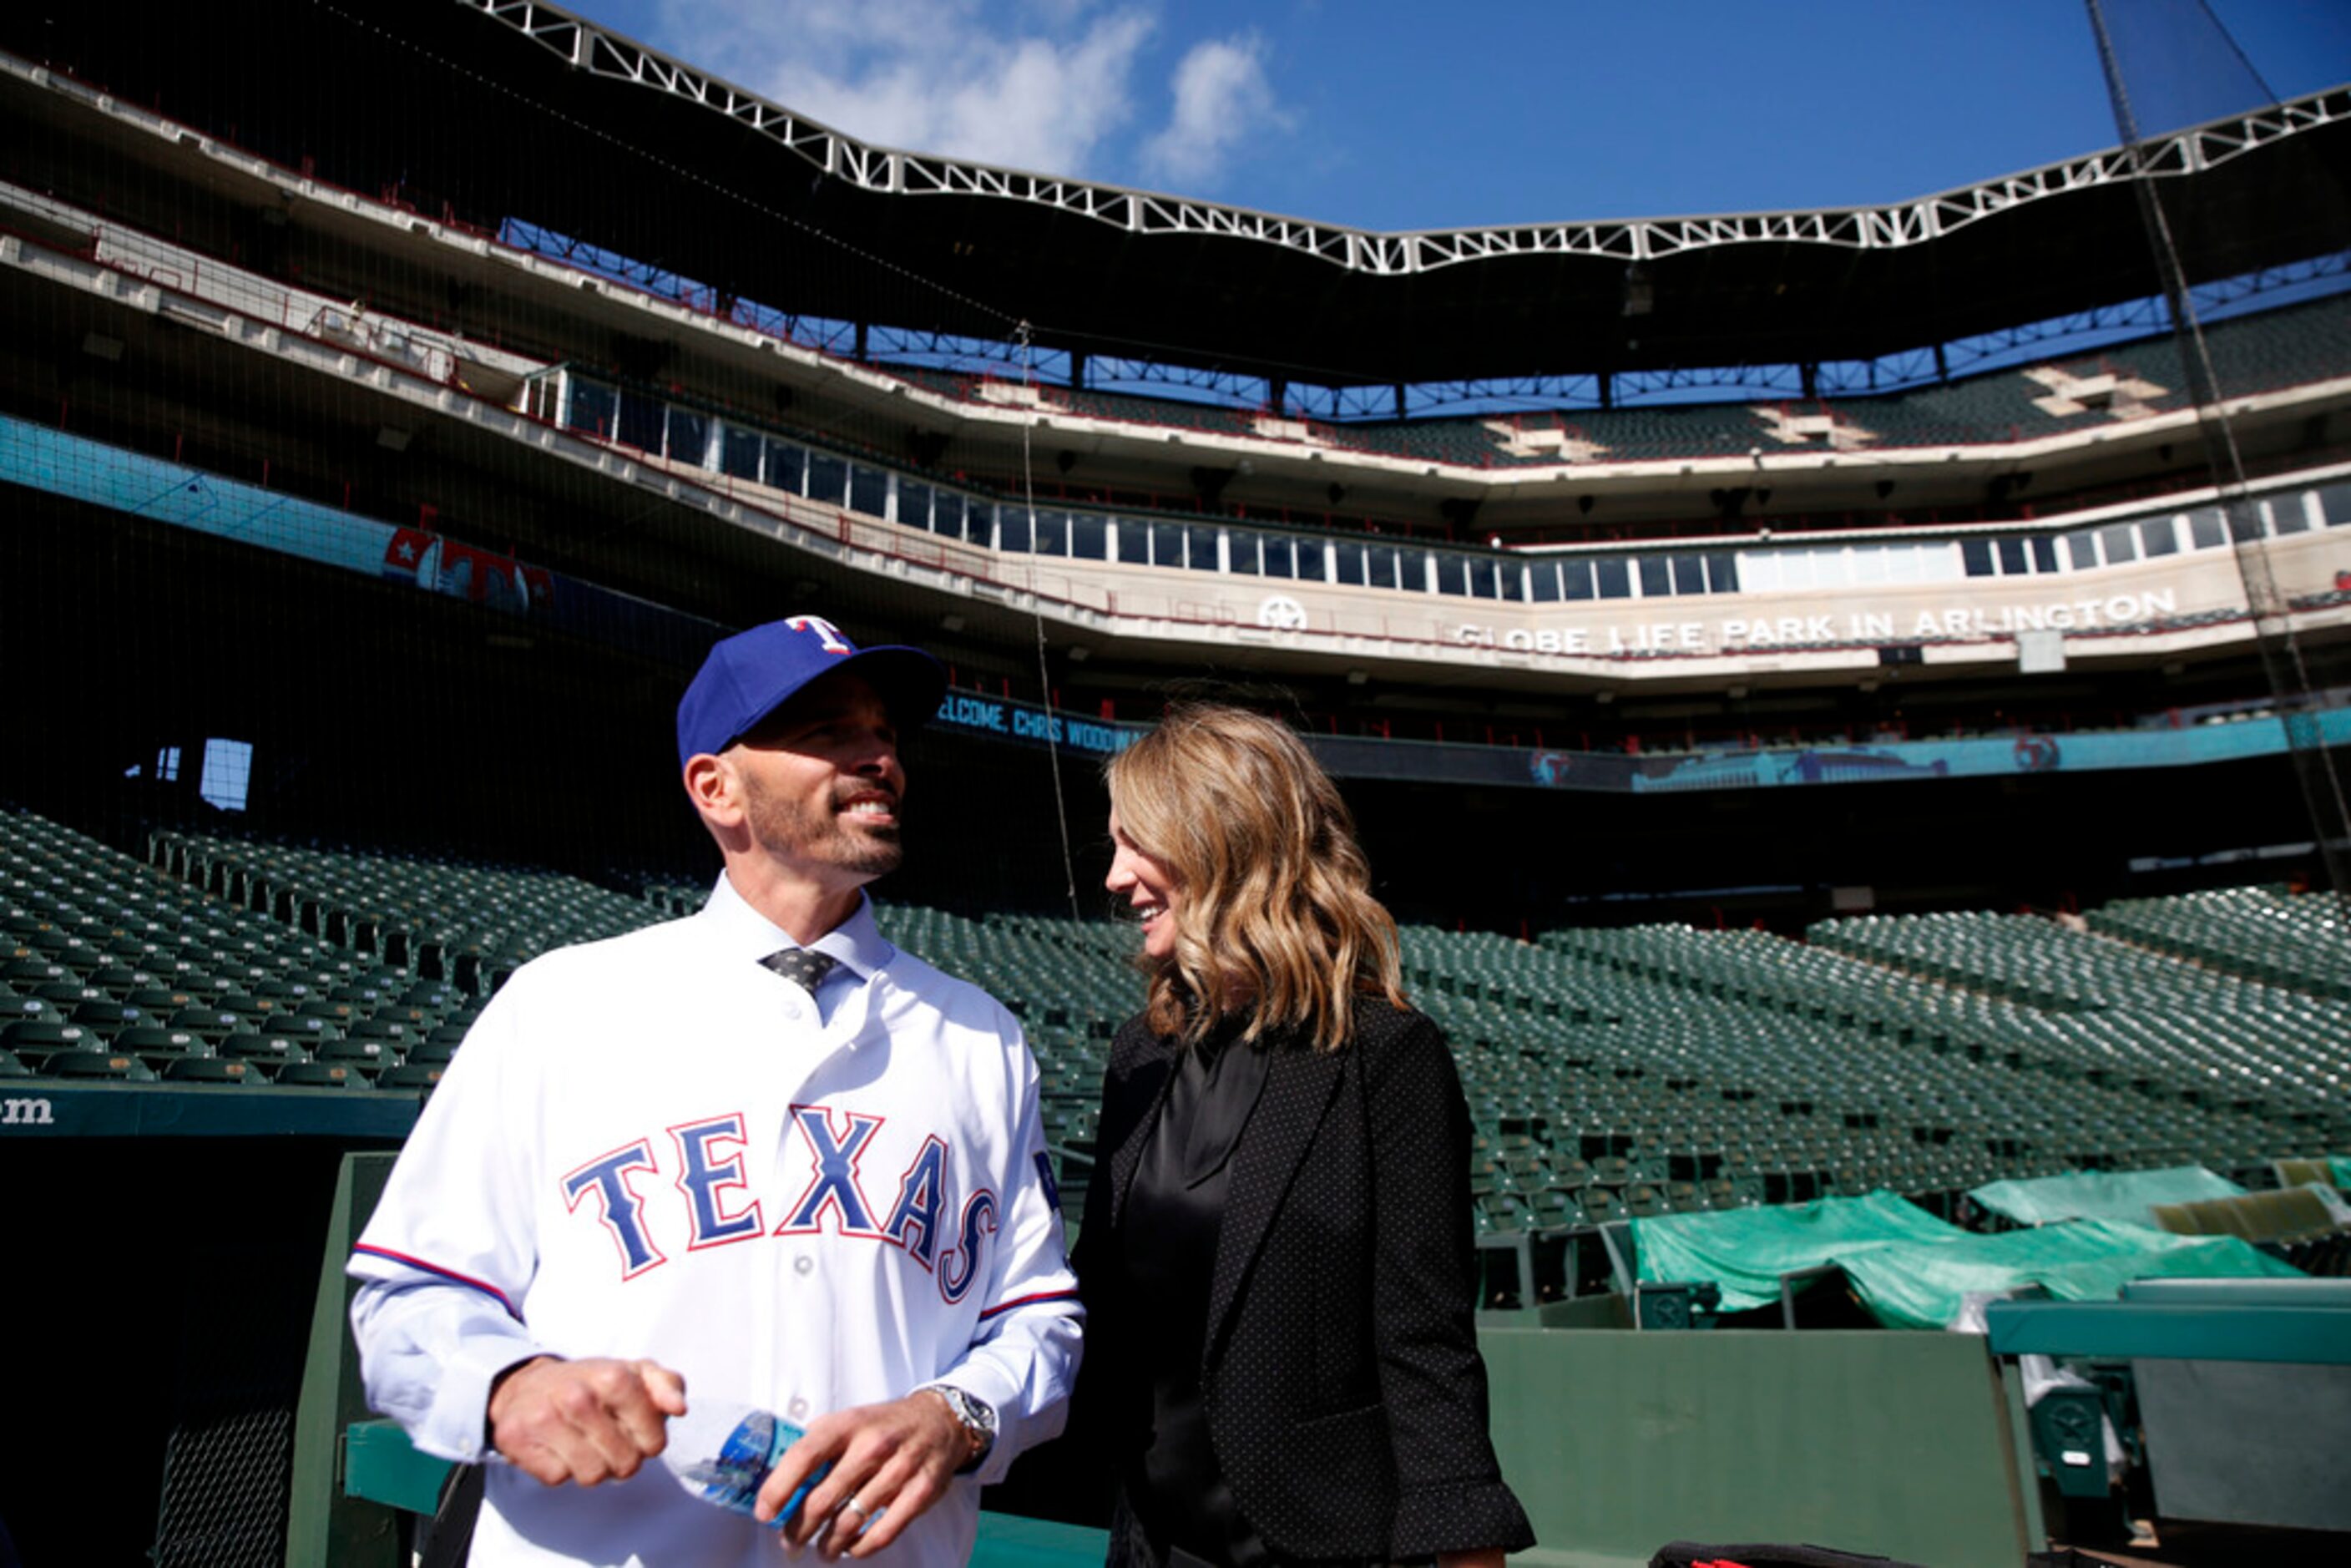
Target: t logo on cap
834 641
752 673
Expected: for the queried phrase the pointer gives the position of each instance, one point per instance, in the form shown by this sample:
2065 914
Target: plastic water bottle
721 1452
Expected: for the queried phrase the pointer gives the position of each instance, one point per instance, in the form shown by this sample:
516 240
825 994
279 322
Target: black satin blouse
1167 1245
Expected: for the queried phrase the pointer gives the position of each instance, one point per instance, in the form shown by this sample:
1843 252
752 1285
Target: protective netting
396 400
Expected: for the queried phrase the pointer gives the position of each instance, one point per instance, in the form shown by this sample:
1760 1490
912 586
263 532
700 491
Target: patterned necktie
803 965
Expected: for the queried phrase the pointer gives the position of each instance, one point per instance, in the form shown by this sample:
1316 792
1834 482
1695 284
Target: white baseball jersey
655 1146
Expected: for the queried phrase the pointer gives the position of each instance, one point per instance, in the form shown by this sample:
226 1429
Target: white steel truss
592 49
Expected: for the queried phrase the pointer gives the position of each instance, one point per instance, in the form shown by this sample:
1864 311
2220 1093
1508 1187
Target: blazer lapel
1299 1085
1129 1151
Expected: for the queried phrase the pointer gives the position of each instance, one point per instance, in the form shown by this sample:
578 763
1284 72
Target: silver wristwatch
976 1415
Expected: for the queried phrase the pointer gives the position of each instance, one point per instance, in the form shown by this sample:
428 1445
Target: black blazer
1345 1394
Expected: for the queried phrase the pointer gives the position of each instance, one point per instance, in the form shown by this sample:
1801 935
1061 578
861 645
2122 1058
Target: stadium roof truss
592 49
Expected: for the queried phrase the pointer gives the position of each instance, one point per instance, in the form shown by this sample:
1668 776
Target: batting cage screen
1839 700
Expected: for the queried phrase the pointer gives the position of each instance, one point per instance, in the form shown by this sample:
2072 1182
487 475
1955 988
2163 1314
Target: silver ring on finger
855 1506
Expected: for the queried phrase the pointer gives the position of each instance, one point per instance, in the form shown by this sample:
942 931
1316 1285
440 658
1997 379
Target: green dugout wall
1906 1445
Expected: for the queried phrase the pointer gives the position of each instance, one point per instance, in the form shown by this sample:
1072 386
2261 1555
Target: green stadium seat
112 1065
151 1042
211 1069
120 980
104 1015
38 1040
1601 1205
320 1075
366 1056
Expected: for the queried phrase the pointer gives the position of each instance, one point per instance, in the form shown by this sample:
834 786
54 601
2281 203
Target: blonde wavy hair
1275 915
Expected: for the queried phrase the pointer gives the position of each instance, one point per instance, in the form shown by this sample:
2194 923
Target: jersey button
798 1409
803 1263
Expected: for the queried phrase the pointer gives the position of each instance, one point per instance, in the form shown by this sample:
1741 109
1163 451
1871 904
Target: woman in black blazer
1276 1256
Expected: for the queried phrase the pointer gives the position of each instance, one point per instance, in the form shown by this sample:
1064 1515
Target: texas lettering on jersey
623 1190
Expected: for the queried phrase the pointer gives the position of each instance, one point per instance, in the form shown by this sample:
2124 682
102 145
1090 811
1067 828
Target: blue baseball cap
752 673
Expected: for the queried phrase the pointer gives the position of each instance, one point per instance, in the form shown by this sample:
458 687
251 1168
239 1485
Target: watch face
975 1415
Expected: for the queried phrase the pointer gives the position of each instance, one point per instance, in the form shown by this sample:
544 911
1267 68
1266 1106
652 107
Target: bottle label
732 1477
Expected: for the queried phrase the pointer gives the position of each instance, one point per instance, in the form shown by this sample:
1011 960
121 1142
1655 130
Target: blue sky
1389 115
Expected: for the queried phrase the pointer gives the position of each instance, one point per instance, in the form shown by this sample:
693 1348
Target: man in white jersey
757 1155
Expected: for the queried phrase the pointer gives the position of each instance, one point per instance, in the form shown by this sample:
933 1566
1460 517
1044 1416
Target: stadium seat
1601 1205
319 1076
28 971
104 1015
153 1042
366 1056
211 1069
269 1050
38 1040
115 1066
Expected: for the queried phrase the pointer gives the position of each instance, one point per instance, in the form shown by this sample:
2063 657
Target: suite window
2119 543
1543 581
828 478
1616 575
1204 537
1380 566
1089 537
1012 529
2011 556
1722 573
1134 537
786 467
2205 530
739 453
1975 557
1656 577
2334 504
2045 553
2156 537
913 504
689 436
1347 563
1167 544
2286 515
594 409
2081 548
643 421
1689 574
869 492
1310 560
1244 552
1576 580
1453 575
947 514
1275 553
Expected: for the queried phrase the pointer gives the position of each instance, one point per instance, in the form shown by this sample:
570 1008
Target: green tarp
2123 1195
1911 1269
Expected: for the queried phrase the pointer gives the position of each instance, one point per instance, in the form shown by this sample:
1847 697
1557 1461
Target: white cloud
1045 91
1222 99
